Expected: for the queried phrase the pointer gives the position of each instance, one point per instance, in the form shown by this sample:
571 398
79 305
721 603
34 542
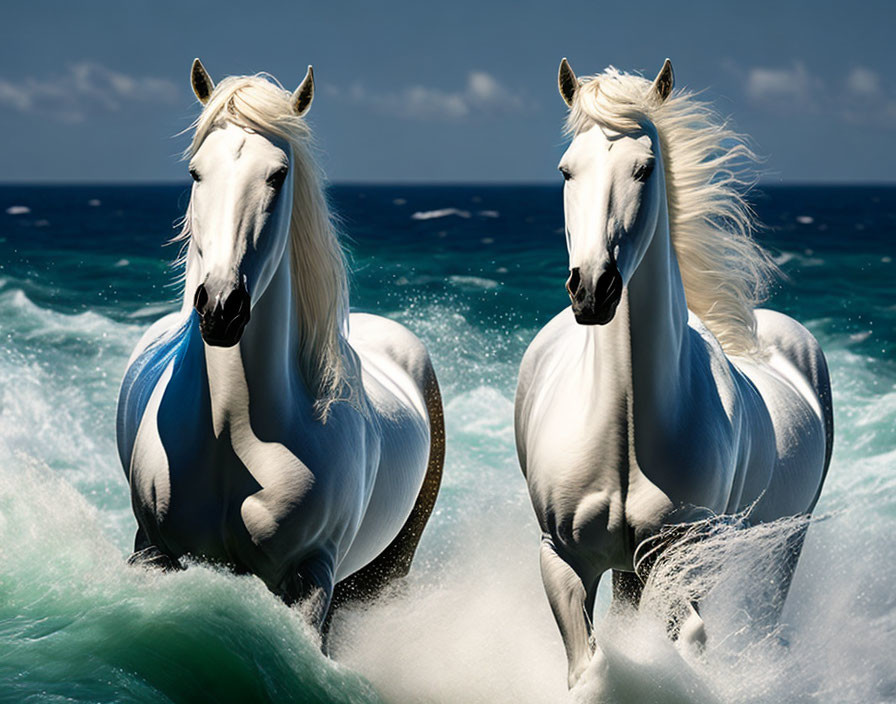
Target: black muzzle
222 321
597 306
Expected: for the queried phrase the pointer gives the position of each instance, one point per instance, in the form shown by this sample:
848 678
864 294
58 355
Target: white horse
282 446
660 397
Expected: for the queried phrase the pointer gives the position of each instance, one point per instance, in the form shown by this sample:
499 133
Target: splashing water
471 624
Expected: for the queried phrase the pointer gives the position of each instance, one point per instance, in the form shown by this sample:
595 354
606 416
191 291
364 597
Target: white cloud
783 86
863 82
866 100
83 88
420 101
481 94
859 98
14 96
483 90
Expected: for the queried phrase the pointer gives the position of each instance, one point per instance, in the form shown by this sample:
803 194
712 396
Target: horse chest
221 492
577 462
602 477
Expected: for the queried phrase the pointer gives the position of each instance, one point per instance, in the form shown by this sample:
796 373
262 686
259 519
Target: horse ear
567 82
665 81
202 83
301 99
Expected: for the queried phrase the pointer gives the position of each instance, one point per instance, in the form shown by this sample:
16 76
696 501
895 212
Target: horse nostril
235 309
572 284
232 305
223 319
237 303
609 287
200 299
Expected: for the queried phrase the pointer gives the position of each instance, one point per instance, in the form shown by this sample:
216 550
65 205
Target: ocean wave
805 259
25 320
442 213
782 258
154 311
471 623
59 380
90 628
473 282
481 414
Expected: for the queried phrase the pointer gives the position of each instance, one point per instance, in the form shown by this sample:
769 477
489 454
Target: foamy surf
440 213
83 622
472 623
473 282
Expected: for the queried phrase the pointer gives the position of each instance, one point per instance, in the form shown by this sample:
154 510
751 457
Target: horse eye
566 174
276 179
195 174
642 173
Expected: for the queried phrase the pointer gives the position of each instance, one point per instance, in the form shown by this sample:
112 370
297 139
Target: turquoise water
475 271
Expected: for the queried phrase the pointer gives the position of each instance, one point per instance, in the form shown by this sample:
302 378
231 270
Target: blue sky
452 91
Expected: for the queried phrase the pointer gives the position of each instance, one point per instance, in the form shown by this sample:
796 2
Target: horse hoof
153 558
693 633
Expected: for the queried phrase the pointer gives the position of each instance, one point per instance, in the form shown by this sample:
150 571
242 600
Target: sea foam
471 623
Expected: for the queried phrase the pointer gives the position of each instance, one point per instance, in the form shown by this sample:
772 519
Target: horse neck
263 364
646 343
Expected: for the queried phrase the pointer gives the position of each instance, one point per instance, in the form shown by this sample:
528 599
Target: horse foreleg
310 587
685 626
691 629
149 555
569 600
627 588
772 599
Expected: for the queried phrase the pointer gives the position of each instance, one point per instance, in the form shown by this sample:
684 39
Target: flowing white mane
724 271
319 279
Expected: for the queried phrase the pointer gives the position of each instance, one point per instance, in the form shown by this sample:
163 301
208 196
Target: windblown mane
319 279
724 271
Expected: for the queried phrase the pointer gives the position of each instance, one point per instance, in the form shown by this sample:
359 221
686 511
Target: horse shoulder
530 377
537 357
693 449
157 331
543 343
147 369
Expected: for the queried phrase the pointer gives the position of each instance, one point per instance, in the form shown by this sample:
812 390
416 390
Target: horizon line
423 184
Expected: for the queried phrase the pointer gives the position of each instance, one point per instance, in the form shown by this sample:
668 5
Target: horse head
241 201
612 196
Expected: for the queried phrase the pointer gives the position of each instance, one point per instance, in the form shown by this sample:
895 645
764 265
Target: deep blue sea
475 271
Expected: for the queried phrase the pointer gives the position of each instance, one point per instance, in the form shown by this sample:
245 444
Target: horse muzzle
598 305
222 320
